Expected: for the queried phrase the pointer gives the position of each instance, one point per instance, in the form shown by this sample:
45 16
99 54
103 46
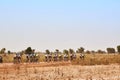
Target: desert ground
58 71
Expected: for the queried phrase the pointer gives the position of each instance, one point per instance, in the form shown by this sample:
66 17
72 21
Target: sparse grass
72 72
98 59
93 67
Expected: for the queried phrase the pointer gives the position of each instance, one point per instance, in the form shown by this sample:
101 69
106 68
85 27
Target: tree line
29 50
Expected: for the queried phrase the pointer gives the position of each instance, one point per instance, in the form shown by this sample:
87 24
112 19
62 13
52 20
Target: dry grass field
58 71
93 67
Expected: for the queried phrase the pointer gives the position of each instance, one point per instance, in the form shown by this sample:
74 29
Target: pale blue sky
62 24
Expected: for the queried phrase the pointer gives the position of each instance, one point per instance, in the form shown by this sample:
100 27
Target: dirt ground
58 71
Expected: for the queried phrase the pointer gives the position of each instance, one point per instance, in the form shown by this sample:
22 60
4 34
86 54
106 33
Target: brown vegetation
67 72
92 67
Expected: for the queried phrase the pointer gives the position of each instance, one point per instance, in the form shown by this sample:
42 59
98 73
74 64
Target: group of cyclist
31 58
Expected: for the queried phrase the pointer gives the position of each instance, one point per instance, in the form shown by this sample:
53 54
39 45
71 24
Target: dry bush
98 59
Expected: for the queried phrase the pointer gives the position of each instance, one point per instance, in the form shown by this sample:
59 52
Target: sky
59 24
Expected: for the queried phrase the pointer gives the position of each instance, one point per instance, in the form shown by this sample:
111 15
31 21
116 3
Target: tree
100 51
47 51
88 52
80 50
118 49
9 52
65 52
71 51
28 50
110 50
2 50
92 51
